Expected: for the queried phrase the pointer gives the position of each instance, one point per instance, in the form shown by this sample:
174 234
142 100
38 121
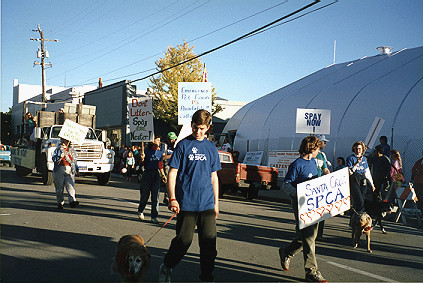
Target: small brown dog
361 223
132 259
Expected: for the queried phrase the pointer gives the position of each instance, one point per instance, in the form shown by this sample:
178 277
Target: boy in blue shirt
302 169
193 189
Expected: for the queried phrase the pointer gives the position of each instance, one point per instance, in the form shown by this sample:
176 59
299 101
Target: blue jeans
150 182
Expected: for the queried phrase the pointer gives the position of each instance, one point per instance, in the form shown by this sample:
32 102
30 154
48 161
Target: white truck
93 157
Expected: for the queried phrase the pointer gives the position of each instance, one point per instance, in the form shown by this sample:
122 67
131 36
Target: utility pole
42 54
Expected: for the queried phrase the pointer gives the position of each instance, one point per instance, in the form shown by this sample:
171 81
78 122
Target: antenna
334 51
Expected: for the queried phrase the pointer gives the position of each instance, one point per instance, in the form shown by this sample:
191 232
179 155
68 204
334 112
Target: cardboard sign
73 132
313 121
374 131
193 96
140 112
282 160
323 197
253 158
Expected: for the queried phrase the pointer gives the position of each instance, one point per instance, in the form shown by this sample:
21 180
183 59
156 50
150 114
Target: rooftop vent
384 50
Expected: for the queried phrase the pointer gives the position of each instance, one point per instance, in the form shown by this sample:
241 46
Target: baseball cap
172 136
323 138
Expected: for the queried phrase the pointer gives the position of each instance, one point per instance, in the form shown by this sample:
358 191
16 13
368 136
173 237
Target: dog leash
145 244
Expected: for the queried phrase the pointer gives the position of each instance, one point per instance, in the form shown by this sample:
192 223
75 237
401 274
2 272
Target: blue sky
115 39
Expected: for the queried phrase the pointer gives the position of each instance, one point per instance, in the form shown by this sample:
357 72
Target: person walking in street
193 189
322 169
417 179
360 177
384 144
150 181
302 169
396 167
64 171
168 148
380 167
130 166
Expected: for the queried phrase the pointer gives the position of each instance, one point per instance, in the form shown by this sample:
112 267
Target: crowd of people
189 171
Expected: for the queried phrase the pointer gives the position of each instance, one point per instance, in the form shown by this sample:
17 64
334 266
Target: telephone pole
42 54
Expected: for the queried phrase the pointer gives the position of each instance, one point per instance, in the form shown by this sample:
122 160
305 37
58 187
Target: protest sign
193 96
281 160
323 197
374 131
140 112
313 121
253 158
73 132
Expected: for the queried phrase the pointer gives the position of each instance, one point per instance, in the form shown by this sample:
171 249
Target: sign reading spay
323 197
193 96
140 112
313 121
73 132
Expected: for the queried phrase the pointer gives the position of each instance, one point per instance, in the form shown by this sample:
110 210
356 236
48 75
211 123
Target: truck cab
93 157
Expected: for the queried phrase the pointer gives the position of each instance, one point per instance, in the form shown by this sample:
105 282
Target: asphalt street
39 243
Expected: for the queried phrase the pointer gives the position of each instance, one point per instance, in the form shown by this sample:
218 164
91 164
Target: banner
323 197
313 121
23 157
193 96
253 158
140 112
73 132
281 160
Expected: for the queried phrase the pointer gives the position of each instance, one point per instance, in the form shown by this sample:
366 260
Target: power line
204 35
256 31
113 50
233 41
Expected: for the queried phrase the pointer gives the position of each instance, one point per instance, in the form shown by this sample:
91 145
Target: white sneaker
141 215
165 274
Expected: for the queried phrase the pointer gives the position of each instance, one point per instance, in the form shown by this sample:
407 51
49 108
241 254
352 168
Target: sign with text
323 197
253 158
140 112
193 96
281 160
73 132
313 121
23 157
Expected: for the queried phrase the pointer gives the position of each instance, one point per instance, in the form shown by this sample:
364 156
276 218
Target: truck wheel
252 192
22 171
46 175
103 178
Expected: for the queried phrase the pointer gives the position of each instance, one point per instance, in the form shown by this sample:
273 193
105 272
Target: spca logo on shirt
196 156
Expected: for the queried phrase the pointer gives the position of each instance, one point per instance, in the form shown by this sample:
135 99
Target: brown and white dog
132 259
361 223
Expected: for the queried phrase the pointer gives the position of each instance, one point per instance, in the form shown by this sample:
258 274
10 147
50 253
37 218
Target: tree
164 87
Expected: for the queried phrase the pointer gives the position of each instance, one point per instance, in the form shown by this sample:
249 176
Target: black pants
358 187
185 227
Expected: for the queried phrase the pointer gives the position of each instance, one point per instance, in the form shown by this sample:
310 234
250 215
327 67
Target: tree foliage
164 87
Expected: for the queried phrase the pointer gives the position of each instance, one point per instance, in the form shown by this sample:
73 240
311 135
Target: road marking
381 278
4 214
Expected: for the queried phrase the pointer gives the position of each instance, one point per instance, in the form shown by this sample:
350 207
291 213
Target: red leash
145 244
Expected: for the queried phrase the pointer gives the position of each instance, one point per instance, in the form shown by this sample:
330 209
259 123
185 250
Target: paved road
39 243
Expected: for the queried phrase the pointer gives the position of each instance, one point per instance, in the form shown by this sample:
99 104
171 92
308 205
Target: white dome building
388 85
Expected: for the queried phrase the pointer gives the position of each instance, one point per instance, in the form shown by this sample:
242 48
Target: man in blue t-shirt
193 189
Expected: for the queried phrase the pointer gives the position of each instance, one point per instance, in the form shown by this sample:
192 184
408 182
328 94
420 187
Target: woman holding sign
302 169
65 168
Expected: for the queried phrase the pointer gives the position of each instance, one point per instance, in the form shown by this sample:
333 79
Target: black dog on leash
377 209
